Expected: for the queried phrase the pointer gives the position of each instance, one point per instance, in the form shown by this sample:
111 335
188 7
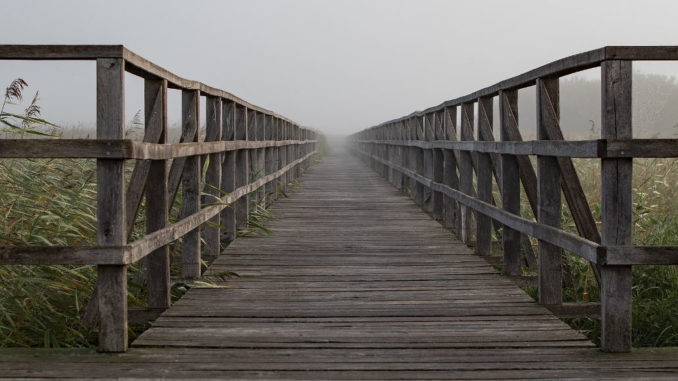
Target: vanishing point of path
355 283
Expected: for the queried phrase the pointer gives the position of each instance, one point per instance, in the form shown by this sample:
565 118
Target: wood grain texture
111 280
190 186
510 184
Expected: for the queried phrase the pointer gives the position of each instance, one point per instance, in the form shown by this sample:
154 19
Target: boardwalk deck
355 283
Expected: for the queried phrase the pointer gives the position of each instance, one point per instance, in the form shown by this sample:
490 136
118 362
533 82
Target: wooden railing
241 139
420 153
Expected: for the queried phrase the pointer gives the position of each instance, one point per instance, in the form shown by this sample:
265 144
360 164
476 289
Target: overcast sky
338 66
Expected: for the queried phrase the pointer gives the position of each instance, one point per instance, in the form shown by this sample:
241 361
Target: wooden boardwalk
355 283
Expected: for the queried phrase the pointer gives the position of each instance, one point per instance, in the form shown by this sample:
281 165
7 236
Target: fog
337 66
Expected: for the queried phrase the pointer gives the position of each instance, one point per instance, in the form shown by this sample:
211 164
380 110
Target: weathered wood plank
510 184
212 193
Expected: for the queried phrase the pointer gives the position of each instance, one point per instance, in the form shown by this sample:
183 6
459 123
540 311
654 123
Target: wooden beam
548 194
484 179
616 207
212 193
111 280
510 185
190 186
157 207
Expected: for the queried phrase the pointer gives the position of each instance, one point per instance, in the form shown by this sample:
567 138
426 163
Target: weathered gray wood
438 170
213 126
548 193
427 157
190 186
228 173
466 172
111 280
269 155
484 179
510 184
616 207
157 209
260 129
450 177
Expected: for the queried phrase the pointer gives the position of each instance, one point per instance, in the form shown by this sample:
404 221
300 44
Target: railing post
438 169
268 158
484 179
418 161
228 172
429 133
466 172
510 181
253 153
157 204
190 187
242 174
213 128
261 155
549 202
450 177
276 185
616 206
111 280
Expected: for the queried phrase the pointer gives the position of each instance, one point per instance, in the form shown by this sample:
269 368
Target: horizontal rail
135 64
558 68
600 148
131 253
127 149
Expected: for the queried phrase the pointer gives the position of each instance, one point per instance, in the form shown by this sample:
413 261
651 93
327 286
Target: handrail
420 154
241 140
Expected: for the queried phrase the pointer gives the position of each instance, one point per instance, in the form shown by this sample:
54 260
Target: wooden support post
450 176
418 161
297 152
190 186
510 184
438 163
111 280
261 156
253 153
289 135
157 208
213 126
466 172
242 174
429 132
484 179
228 171
268 158
548 194
275 166
616 207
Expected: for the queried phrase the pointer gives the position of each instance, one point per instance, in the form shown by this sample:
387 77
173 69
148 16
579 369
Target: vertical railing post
253 154
260 129
298 151
242 174
438 165
419 161
275 125
157 204
549 202
616 206
228 172
429 133
510 184
190 187
484 179
268 162
289 151
112 279
450 177
466 172
213 128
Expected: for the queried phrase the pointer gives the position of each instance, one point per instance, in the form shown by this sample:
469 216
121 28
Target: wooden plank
616 207
190 186
211 193
438 162
484 179
111 280
157 208
548 190
510 185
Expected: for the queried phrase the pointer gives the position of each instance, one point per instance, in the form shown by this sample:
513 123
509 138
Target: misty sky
338 66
